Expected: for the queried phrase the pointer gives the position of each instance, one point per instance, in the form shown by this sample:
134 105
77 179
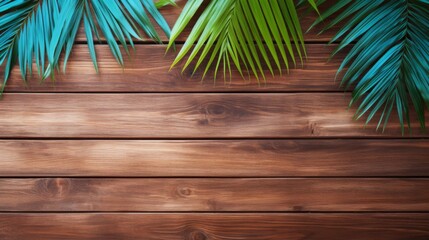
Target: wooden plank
214 226
214 194
184 116
171 14
147 70
214 158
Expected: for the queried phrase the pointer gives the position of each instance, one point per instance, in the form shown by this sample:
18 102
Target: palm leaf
241 32
163 3
43 31
389 63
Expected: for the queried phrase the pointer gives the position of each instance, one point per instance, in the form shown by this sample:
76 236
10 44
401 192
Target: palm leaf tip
389 62
44 31
251 35
162 3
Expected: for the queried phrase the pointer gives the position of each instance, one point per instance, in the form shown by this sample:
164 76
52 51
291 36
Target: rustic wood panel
214 177
183 116
215 158
214 226
147 70
171 14
217 194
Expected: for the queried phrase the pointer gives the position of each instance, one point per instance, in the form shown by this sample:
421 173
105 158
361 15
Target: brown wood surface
214 226
100 156
184 116
214 158
217 194
171 14
147 70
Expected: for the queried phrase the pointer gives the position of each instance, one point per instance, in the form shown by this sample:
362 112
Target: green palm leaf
389 63
241 32
163 3
43 31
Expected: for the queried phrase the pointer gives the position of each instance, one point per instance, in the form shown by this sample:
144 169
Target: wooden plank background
147 153
215 158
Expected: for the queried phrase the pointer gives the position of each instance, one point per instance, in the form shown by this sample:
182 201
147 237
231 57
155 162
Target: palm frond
163 3
43 31
389 63
241 32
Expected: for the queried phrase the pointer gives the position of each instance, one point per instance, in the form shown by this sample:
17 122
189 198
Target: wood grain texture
214 226
183 116
214 158
217 194
147 70
135 164
171 14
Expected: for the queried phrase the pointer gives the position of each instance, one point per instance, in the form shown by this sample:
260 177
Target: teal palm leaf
388 62
248 34
40 32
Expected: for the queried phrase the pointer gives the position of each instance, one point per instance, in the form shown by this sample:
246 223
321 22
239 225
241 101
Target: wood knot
53 187
221 112
212 112
184 191
314 129
214 109
196 235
